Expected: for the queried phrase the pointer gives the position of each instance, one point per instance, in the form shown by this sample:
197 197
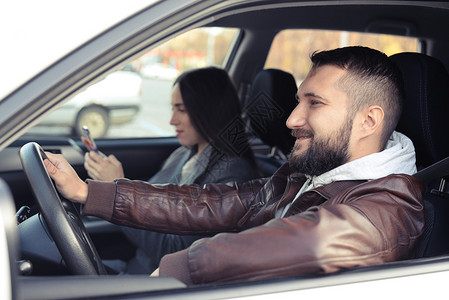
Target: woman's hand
102 167
66 180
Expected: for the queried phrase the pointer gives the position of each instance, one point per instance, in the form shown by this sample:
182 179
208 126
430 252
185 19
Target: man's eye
314 102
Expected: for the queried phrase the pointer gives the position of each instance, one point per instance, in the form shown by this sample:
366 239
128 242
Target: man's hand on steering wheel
66 180
61 217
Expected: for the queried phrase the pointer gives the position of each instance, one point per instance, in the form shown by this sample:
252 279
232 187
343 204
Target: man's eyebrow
311 94
178 104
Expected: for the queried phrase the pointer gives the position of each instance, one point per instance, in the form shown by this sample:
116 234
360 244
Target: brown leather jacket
337 226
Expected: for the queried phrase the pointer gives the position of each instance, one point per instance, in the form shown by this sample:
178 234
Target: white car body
159 71
119 94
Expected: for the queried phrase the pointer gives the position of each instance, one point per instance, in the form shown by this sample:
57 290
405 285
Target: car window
135 100
292 48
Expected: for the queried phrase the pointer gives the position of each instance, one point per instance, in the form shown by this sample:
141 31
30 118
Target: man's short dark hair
372 79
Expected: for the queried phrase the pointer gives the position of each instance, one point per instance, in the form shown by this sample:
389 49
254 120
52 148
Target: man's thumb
51 169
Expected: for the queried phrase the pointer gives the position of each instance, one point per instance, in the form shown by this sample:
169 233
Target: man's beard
323 154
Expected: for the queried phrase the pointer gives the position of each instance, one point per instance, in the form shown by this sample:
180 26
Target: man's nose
297 118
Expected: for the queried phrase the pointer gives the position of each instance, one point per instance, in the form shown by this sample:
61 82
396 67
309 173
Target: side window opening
291 49
135 100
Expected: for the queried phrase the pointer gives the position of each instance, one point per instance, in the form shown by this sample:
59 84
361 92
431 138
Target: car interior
270 102
268 97
425 81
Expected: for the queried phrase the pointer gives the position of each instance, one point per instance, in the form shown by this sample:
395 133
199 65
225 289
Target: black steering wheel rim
61 217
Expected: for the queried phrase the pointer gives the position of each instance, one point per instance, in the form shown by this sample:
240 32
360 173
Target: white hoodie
398 157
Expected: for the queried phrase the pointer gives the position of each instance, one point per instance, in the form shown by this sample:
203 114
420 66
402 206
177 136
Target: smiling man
346 197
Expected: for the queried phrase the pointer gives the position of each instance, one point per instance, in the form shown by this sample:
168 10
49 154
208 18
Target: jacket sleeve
171 208
379 222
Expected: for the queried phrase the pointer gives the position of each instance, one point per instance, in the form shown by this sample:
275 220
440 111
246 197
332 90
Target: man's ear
372 120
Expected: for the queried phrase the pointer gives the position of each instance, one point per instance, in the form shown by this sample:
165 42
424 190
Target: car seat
423 120
271 100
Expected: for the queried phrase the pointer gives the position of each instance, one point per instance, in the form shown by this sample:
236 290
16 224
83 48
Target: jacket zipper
248 213
261 203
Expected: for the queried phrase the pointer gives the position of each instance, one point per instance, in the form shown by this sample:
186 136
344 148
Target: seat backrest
423 120
271 100
426 106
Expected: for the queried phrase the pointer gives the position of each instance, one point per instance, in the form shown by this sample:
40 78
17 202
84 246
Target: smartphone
88 141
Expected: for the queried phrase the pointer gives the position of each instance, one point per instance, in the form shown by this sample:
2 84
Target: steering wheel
61 217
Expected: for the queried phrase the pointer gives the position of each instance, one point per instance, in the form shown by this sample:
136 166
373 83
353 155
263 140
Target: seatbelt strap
437 170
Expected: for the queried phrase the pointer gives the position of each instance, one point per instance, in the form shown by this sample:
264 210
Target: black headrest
426 106
271 101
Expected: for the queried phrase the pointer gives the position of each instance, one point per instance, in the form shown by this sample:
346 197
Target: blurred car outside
159 71
114 100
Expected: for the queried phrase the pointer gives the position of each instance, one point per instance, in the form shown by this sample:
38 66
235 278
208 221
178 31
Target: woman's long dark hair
214 109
